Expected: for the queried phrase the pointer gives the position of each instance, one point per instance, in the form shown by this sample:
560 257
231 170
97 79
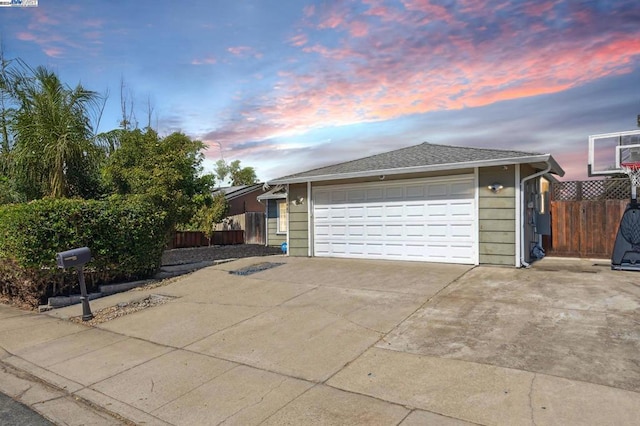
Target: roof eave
271 196
547 158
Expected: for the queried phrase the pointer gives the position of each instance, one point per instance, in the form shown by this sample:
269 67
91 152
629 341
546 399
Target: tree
221 171
8 192
166 170
237 174
208 216
54 148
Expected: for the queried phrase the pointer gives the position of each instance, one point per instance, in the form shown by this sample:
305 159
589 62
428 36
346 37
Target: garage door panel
436 230
338 196
394 193
356 231
436 210
322 231
464 189
466 209
356 195
430 220
355 212
375 194
392 211
461 231
415 210
436 190
416 192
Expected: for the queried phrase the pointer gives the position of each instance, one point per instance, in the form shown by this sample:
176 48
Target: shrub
126 236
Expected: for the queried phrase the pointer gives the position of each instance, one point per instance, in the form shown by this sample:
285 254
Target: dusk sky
289 85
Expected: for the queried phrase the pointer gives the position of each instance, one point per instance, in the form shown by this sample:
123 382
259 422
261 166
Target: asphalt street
17 414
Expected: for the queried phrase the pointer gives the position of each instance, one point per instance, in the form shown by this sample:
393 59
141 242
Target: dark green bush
126 236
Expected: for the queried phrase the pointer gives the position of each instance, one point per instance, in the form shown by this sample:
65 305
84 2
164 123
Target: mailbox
75 257
78 257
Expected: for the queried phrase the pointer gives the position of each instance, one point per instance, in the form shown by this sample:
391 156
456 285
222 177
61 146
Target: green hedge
126 236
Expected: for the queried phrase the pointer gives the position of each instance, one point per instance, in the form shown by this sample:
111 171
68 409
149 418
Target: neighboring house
242 198
428 202
275 207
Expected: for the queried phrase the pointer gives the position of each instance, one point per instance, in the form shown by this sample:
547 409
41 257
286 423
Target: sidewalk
309 341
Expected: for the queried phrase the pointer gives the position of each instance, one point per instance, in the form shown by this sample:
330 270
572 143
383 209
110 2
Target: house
242 198
276 213
427 202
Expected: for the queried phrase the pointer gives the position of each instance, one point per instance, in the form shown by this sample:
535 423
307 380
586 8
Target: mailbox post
78 257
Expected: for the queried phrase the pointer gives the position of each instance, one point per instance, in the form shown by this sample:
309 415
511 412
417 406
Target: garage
430 219
427 202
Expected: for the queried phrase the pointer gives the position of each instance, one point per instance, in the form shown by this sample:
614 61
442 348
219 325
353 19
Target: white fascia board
272 197
430 168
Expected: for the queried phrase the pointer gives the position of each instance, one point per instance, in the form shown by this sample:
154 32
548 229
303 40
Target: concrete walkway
326 341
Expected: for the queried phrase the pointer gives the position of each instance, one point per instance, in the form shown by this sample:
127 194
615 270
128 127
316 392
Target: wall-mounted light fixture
297 201
495 187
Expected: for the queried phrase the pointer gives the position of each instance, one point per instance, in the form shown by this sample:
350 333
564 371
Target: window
282 216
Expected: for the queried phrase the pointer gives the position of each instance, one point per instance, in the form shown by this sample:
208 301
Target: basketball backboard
608 150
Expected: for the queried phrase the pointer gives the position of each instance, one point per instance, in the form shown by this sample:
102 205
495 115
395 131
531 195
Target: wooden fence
585 228
585 216
185 239
252 223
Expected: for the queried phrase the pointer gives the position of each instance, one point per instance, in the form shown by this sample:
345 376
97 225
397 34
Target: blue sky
289 85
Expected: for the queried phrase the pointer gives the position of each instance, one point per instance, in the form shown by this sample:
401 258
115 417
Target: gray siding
298 221
497 216
275 239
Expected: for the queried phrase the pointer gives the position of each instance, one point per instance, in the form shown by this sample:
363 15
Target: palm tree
55 150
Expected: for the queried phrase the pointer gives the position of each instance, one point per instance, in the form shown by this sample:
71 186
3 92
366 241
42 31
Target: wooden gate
252 223
585 216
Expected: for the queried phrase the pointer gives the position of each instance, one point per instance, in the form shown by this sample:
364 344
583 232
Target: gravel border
201 254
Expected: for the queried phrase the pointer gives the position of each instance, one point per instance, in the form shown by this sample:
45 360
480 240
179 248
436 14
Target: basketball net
633 171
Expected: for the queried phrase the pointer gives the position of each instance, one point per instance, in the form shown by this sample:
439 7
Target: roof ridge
480 148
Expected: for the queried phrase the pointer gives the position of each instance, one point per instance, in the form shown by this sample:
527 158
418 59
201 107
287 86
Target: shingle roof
423 156
231 192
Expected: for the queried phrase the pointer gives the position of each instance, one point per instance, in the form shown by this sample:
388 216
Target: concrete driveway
333 341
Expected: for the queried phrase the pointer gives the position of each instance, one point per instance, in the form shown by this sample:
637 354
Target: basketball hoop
632 169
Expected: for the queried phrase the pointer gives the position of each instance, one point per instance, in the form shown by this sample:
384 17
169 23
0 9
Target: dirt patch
123 308
202 254
252 269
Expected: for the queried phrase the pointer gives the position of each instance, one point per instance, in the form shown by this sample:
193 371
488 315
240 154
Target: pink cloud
243 51
53 52
93 23
358 29
26 36
299 40
204 61
43 19
309 11
332 21
540 9
402 66
432 10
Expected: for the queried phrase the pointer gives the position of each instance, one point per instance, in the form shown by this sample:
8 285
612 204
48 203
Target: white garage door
426 219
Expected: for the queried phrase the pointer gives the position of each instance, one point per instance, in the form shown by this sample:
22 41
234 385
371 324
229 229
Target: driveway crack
531 388
273 388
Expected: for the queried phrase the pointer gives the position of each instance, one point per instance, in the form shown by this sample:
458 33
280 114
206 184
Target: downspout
288 222
523 211
309 221
266 222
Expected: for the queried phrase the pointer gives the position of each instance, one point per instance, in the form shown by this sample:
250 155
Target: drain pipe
523 263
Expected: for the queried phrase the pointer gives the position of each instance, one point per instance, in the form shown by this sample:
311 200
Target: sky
290 85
